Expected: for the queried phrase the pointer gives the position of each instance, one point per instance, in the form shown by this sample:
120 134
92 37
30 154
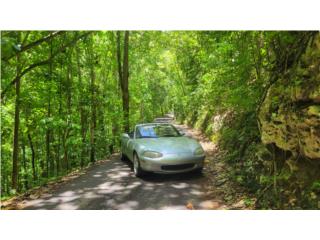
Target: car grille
177 167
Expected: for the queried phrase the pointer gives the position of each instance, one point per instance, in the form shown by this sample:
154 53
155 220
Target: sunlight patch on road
148 188
67 206
196 192
67 194
90 195
128 205
173 207
111 188
173 195
119 174
180 185
134 184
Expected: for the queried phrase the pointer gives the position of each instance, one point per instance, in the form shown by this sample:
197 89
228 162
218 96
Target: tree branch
44 62
36 43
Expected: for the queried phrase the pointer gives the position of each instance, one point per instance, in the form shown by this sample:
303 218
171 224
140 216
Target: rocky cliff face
290 115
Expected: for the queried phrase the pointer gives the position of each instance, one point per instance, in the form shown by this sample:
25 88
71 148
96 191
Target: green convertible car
161 148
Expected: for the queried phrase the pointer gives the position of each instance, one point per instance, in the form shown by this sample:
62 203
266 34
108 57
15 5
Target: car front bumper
172 163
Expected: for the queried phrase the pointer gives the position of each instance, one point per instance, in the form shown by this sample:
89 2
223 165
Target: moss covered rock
290 114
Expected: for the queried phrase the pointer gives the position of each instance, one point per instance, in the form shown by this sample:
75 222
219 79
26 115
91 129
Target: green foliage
214 81
231 81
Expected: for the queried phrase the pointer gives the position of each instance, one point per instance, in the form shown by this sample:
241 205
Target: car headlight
198 152
152 154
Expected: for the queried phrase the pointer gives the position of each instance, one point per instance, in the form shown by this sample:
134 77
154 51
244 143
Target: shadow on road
158 177
112 185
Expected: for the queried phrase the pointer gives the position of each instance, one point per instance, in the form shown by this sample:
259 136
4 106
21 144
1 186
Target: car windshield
156 131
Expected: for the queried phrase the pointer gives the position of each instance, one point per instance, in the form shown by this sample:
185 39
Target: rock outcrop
290 114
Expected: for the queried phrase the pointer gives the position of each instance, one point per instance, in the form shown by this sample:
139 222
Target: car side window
138 135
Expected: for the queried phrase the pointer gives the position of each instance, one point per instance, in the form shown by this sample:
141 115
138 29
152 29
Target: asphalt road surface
112 185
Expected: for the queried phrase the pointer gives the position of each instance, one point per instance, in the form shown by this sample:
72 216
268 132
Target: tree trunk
93 115
65 150
34 174
15 152
125 89
83 121
25 175
48 132
119 57
58 161
93 122
69 109
124 76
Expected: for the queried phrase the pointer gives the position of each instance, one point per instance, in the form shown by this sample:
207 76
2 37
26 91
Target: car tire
138 172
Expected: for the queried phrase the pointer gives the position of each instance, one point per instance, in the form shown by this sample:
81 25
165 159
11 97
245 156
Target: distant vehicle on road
168 118
162 120
161 148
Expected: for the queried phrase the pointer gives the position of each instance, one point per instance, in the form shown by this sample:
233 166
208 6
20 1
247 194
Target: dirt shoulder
222 191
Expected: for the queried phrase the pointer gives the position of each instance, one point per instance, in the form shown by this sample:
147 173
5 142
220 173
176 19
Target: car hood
169 144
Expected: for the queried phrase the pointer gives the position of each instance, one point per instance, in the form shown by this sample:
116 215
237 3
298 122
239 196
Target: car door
130 147
127 143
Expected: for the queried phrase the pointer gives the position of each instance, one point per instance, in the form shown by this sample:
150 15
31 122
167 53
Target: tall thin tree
123 70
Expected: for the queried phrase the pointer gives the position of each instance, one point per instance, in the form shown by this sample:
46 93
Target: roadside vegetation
67 96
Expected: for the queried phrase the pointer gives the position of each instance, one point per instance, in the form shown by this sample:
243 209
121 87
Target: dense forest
66 97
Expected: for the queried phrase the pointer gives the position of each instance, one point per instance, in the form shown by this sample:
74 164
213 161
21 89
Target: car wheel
138 172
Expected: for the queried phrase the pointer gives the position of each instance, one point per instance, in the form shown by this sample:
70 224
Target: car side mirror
125 135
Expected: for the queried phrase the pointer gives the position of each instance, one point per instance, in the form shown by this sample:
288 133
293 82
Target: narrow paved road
112 185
